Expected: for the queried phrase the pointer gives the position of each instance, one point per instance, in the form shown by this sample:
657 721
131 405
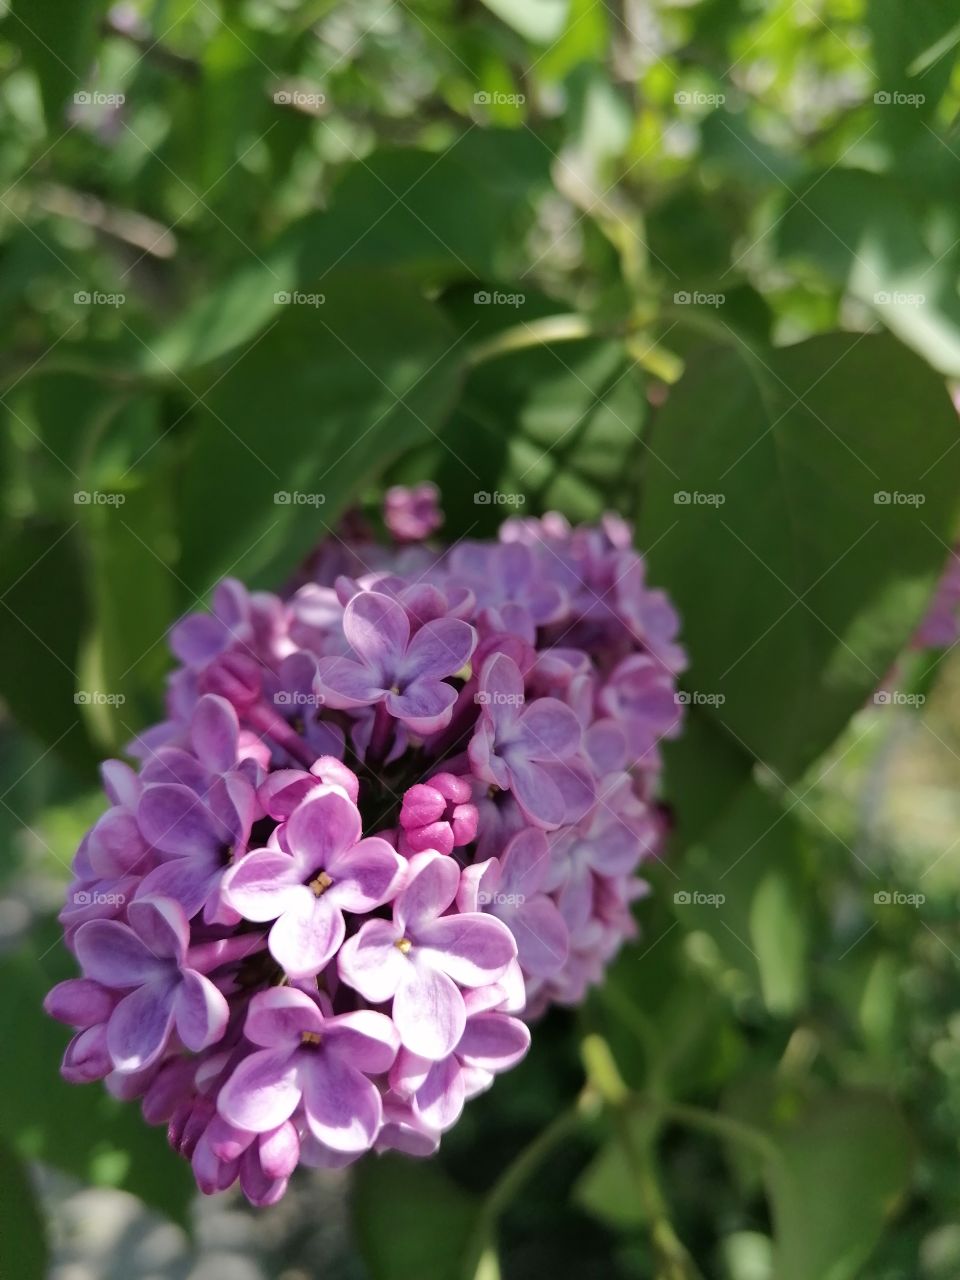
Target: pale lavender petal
281 1015
79 1002
366 1039
279 1151
214 730
111 953
543 941
428 1012
188 881
198 639
425 705
140 1026
343 1108
371 963
471 949
262 885
482 753
378 630
439 1100
174 820
346 684
321 827
494 1041
161 925
432 885
501 680
201 1012
262 1092
536 792
307 935
524 863
366 876
438 649
550 729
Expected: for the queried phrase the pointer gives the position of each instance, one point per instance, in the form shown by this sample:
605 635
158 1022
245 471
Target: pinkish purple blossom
392 815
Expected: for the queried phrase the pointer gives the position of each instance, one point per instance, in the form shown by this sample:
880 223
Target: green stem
507 1186
534 333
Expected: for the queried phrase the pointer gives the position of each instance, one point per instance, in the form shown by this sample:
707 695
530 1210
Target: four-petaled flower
324 870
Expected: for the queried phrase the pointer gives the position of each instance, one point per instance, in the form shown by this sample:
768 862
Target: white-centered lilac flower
323 870
390 818
422 958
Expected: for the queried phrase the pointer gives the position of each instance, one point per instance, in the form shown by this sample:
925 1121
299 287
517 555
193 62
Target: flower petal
342 1107
307 935
494 1041
438 649
378 630
214 730
550 729
425 705
428 1012
321 827
473 949
543 942
140 1026
113 954
432 883
174 820
262 885
347 684
366 1039
370 961
439 1100
201 1011
262 1092
280 1015
366 876
536 792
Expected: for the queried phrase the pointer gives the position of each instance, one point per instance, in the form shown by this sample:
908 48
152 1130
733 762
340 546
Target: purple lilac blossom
392 815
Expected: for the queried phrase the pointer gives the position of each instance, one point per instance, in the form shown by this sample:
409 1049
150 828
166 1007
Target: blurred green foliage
695 262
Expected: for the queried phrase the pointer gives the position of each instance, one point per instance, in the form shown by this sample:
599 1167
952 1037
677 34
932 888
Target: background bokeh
693 262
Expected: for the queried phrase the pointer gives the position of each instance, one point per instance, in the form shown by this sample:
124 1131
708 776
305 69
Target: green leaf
42 614
799 519
539 20
77 1128
880 240
743 884
23 1232
557 426
58 41
396 1236
845 1165
310 413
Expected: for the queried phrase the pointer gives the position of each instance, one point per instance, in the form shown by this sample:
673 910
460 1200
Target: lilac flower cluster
391 817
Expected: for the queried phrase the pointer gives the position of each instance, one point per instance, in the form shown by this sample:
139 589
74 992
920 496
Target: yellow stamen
403 946
311 1037
322 882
